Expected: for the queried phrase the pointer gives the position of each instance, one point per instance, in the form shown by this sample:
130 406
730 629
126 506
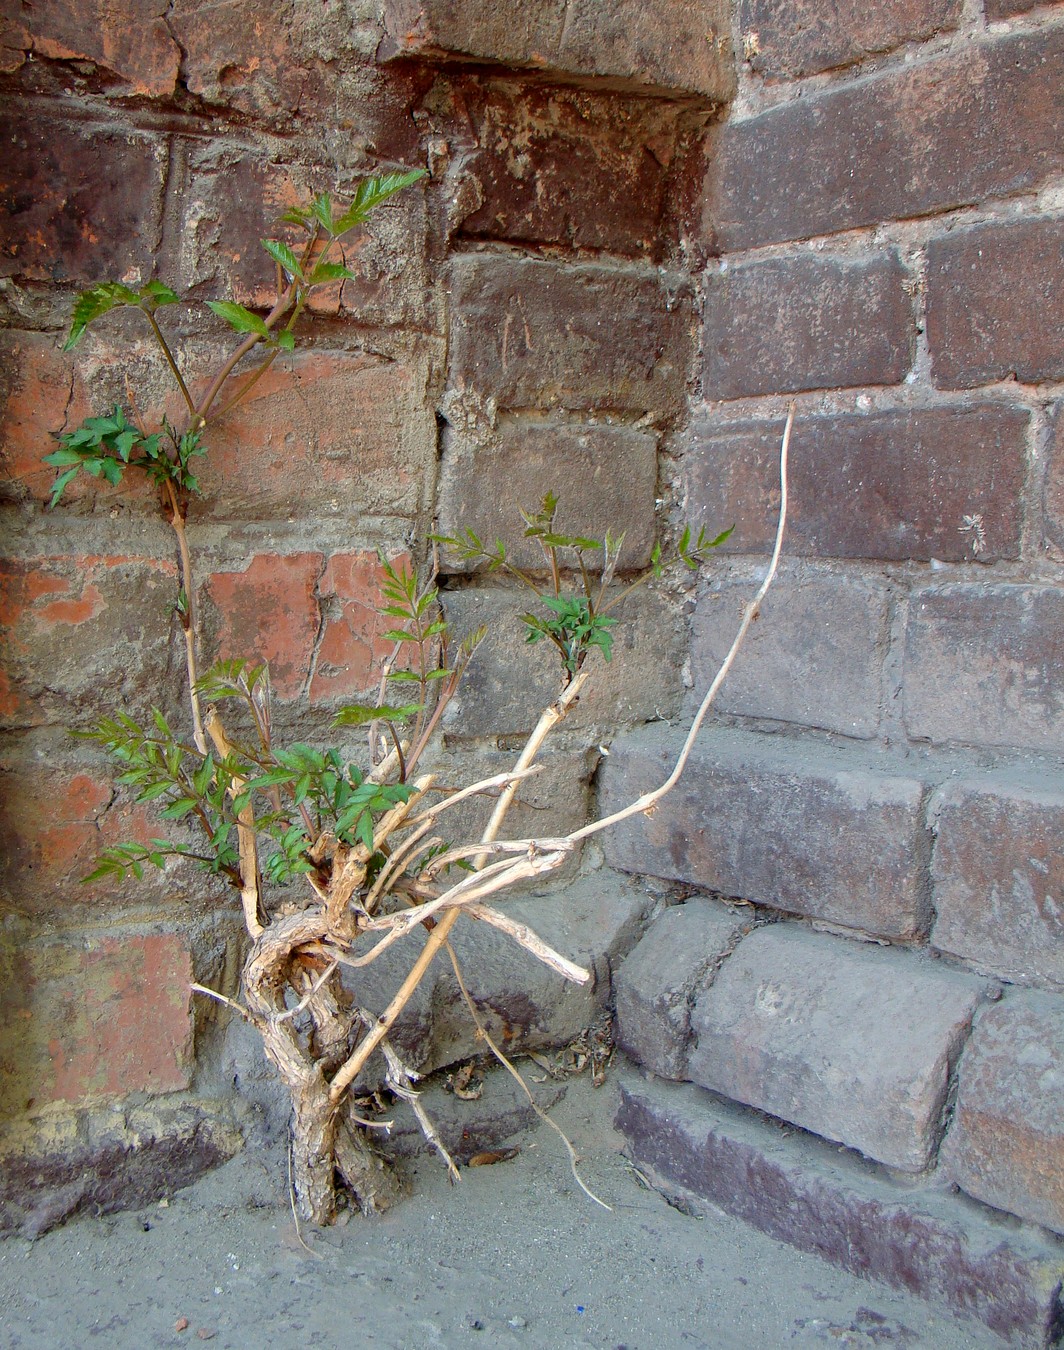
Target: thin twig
400 1079
229 1003
305 1000
485 1035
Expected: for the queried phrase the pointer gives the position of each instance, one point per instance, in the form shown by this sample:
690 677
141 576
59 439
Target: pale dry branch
400 1079
307 998
531 941
485 1036
221 998
349 1071
247 846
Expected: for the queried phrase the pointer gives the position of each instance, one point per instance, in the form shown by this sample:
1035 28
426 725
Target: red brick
984 665
801 37
129 39
83 635
814 658
40 397
931 136
855 1044
679 45
1006 1143
998 877
95 1019
830 836
806 322
995 304
605 477
353 645
79 203
566 166
336 434
531 333
268 611
902 483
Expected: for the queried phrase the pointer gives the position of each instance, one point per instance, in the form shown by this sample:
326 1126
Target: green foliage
572 627
106 446
100 300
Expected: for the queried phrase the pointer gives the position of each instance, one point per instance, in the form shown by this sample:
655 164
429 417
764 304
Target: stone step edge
799 1190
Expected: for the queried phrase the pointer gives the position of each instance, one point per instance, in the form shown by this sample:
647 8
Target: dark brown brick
566 166
997 10
806 322
836 838
605 477
886 485
679 45
998 877
511 682
129 39
801 37
984 665
816 1199
221 251
995 304
95 1020
78 204
939 134
851 1042
1006 1142
539 334
815 657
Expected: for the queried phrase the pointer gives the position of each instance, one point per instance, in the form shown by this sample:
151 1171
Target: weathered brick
129 40
98 1160
814 658
83 635
221 248
78 203
252 56
904 484
931 136
96 1018
1053 486
995 304
680 45
509 683
800 1191
542 178
353 646
837 838
604 476
984 663
54 823
531 333
996 10
1006 1143
807 322
314 619
854 1044
40 398
998 878
337 434
801 37
654 988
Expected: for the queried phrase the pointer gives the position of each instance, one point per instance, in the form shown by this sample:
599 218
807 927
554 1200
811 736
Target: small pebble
517 1322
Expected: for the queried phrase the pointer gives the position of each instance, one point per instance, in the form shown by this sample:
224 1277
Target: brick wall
640 239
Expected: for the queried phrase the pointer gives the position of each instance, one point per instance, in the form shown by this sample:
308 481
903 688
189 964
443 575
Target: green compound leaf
280 252
236 316
370 193
92 303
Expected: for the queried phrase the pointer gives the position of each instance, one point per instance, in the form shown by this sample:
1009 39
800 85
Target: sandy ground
514 1256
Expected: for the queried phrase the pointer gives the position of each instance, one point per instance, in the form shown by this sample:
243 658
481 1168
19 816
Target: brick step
826 1201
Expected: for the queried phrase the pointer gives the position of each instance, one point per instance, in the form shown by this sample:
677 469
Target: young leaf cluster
577 622
106 446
